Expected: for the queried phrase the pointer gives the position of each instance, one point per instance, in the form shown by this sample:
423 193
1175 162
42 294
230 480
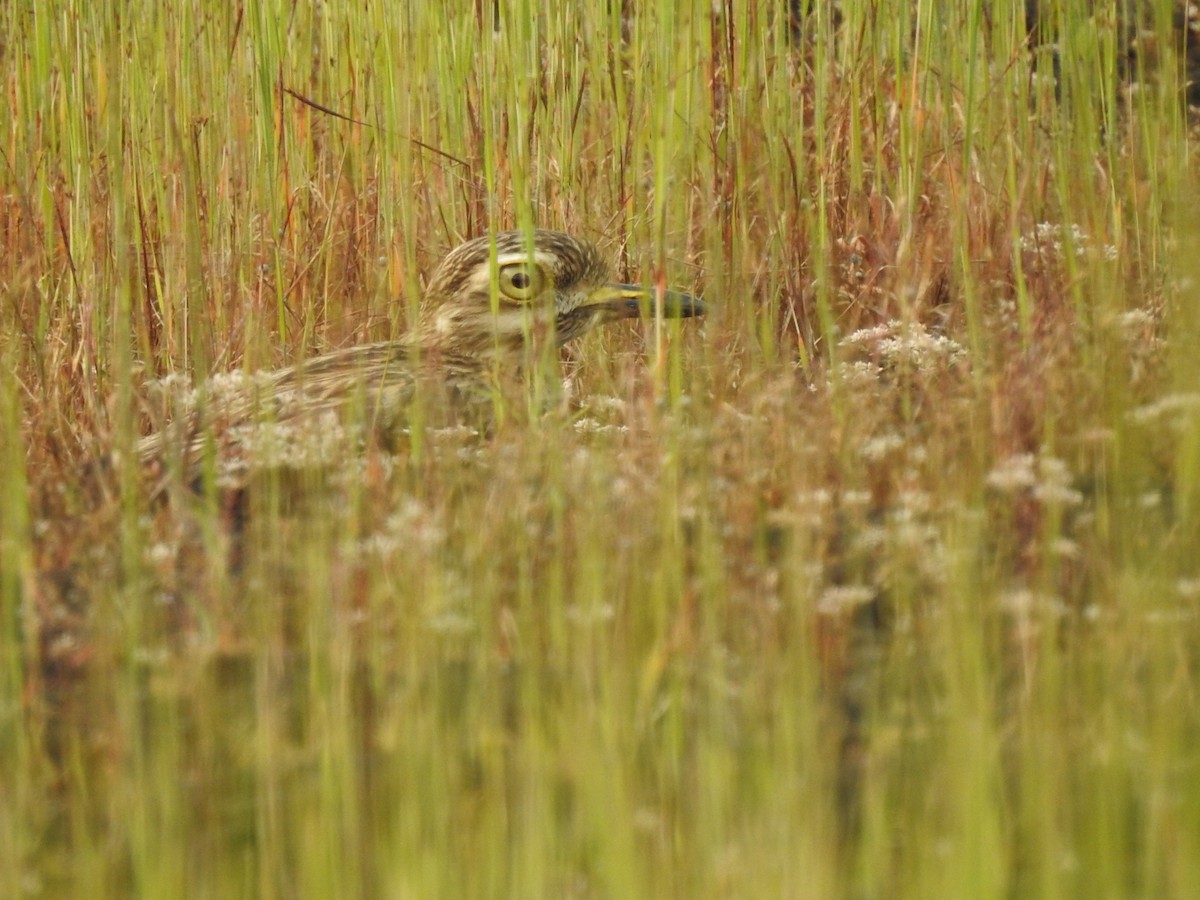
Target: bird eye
521 281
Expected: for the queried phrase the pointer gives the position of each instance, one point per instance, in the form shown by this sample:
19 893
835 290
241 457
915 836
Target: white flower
844 598
878 448
1173 406
898 343
1046 477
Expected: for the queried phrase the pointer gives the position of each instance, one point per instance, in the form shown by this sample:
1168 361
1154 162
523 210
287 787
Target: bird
490 307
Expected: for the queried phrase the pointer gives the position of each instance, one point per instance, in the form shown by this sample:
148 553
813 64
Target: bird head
501 294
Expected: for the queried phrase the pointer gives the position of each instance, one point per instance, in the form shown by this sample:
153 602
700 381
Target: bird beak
626 301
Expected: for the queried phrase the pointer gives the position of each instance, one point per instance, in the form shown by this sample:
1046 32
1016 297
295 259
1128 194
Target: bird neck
508 339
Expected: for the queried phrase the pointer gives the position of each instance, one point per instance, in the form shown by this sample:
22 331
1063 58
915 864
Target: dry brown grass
882 581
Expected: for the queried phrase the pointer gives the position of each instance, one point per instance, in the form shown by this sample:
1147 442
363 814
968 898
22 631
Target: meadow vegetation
881 580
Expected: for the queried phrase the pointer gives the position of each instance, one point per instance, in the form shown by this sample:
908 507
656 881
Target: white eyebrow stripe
541 257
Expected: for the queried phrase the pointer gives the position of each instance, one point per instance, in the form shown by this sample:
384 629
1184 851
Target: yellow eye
521 281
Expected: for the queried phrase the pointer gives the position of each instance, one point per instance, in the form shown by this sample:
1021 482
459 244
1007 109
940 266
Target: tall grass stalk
880 580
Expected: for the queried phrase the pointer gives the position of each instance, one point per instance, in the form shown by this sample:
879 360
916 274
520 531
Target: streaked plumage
489 301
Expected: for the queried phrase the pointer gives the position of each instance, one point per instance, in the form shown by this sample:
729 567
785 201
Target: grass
881 581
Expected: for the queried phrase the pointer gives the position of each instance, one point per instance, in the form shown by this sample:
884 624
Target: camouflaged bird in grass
488 305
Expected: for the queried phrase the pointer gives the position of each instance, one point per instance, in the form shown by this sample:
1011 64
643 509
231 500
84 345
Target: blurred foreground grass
882 582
